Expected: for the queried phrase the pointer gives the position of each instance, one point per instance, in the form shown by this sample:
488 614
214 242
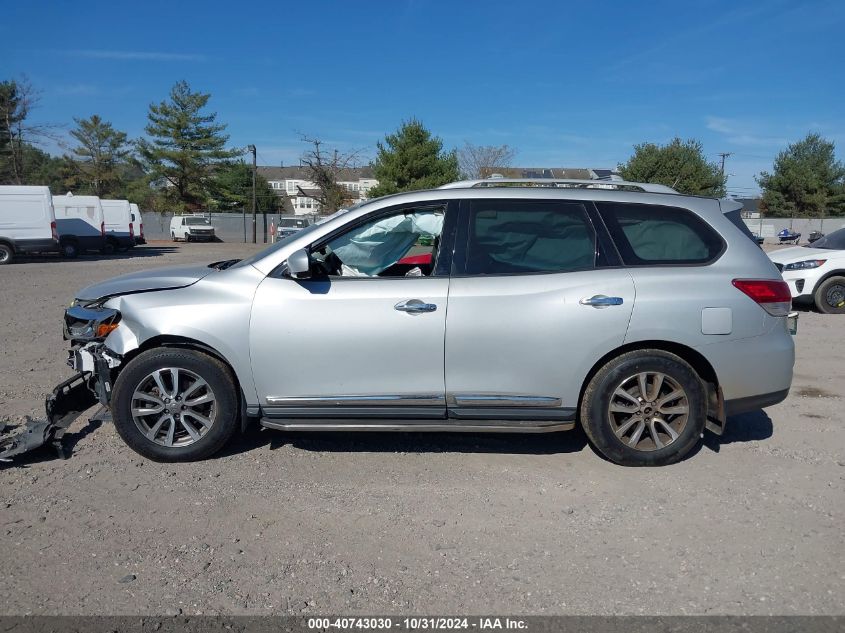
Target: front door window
403 244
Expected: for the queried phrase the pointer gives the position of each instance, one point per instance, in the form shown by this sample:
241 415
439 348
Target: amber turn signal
104 329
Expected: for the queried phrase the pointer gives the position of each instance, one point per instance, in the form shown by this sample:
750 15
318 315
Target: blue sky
565 83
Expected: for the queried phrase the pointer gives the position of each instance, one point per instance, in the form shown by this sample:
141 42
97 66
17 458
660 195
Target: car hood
797 254
145 281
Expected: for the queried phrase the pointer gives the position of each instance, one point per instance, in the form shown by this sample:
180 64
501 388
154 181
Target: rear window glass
523 236
653 234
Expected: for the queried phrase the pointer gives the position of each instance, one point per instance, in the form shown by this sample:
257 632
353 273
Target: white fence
770 227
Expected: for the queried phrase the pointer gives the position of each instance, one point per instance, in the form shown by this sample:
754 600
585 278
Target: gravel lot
751 523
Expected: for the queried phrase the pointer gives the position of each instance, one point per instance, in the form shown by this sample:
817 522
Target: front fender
214 313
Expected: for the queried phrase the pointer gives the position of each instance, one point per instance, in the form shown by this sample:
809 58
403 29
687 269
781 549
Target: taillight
770 294
141 227
131 230
103 229
53 231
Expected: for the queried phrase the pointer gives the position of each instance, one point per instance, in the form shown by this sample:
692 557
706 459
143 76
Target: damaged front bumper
94 364
68 400
96 360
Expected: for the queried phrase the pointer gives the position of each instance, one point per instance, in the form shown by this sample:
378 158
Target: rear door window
529 236
657 235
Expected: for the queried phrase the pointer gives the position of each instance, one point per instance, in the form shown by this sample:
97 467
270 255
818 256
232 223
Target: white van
191 227
139 222
27 222
81 224
120 232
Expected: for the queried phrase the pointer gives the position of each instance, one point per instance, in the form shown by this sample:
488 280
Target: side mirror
299 264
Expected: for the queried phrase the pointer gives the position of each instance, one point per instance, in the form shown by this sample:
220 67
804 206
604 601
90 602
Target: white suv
816 272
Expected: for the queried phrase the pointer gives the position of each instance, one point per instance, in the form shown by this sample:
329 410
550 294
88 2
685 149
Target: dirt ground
752 523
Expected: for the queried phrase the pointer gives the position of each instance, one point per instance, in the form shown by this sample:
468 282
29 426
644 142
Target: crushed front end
86 327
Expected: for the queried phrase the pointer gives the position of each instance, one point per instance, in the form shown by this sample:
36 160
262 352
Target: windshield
834 241
293 223
270 249
196 221
295 236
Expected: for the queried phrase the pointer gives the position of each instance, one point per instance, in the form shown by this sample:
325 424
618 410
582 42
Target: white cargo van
138 221
81 224
27 222
120 232
191 228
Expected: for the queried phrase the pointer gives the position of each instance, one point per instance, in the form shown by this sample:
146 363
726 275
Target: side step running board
421 426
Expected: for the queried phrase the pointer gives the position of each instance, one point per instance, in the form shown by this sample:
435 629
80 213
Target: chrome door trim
364 401
357 412
502 400
494 426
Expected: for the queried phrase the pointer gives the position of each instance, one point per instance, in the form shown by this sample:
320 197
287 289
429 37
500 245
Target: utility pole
723 156
251 148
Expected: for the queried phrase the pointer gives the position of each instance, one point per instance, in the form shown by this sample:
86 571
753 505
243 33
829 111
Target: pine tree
806 180
100 158
411 159
678 164
185 144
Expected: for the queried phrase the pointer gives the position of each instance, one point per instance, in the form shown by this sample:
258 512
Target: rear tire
7 254
830 296
109 247
70 249
644 408
175 405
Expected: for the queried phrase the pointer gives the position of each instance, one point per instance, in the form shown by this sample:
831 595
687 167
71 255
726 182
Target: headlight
806 264
86 324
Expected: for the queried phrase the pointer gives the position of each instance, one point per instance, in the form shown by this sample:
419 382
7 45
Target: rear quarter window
654 235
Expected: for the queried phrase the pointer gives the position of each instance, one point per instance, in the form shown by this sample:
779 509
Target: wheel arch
833 273
702 367
185 342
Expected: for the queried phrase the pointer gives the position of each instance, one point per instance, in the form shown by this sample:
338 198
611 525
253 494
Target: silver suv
639 314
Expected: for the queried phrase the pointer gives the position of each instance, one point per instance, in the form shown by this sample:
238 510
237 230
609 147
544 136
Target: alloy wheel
173 407
648 411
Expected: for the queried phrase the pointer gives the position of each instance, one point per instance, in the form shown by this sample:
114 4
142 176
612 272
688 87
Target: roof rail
563 183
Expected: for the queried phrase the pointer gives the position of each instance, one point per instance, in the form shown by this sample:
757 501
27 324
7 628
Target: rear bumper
752 403
754 368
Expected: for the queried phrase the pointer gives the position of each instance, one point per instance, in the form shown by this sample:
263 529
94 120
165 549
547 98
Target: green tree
232 189
806 180
100 157
185 144
16 100
410 159
43 169
678 164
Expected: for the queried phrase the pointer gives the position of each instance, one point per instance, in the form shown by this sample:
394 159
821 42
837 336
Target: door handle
601 301
415 306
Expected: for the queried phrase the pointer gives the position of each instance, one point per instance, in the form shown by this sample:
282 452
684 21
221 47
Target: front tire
644 408
175 405
830 296
7 254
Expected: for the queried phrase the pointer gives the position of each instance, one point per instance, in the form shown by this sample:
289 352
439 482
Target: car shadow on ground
132 253
747 427
753 426
409 442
